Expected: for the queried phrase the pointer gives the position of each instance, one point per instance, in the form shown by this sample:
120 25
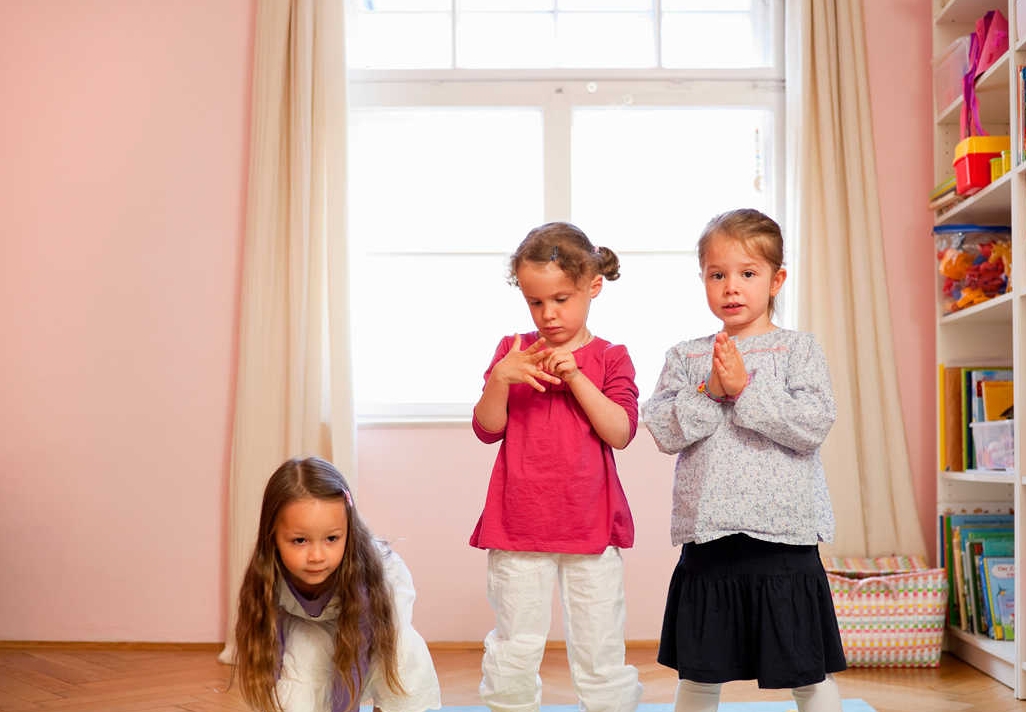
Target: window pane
711 5
605 5
408 40
607 39
508 5
438 179
536 40
714 40
505 40
433 328
400 5
650 178
663 284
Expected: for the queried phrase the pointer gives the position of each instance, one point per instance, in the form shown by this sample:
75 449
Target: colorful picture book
997 400
999 585
966 538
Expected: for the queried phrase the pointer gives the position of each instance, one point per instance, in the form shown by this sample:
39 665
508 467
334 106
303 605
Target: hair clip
595 250
349 497
555 253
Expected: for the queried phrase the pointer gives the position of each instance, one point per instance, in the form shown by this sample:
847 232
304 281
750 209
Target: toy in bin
972 161
975 262
994 444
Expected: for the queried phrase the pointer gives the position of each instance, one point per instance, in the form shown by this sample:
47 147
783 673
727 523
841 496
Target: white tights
705 697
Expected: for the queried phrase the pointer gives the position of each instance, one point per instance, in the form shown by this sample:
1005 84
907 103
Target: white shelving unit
993 331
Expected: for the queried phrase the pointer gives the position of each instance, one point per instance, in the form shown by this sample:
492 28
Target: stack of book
944 196
978 554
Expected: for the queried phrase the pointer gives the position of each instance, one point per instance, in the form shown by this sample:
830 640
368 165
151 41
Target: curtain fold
842 297
293 390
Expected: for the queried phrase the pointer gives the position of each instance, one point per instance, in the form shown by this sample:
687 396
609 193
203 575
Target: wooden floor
118 679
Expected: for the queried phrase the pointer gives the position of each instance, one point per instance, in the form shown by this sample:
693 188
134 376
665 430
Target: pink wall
898 45
123 136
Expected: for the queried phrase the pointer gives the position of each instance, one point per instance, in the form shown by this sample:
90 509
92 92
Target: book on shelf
1020 95
944 194
961 403
942 444
946 186
952 553
979 376
998 401
952 427
978 542
1000 583
981 579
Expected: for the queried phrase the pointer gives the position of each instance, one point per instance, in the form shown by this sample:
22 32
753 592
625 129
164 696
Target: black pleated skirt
741 608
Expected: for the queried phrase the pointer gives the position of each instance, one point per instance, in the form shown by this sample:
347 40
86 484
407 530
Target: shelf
963 11
994 657
991 206
995 476
990 334
998 309
991 93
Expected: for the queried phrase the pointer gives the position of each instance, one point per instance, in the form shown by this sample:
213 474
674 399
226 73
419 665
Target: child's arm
797 410
515 366
305 678
678 415
416 669
608 417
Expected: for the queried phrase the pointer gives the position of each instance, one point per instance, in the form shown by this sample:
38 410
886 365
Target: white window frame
559 91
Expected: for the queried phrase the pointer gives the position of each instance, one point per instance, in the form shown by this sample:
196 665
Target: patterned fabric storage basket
890 620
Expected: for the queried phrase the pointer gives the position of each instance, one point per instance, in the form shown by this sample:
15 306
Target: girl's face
559 307
311 538
738 287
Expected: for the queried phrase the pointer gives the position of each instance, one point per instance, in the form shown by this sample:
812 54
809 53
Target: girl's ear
778 281
596 286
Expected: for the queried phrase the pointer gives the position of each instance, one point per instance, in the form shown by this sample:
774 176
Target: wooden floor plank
119 679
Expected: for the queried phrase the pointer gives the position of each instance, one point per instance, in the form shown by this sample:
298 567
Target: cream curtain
842 297
294 386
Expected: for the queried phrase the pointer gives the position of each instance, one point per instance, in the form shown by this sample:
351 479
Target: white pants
520 591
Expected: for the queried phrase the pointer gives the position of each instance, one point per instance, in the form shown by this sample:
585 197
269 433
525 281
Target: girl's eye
333 538
748 274
299 540
560 300
715 275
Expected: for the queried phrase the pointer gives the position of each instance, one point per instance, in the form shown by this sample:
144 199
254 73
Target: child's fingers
538 346
549 377
533 383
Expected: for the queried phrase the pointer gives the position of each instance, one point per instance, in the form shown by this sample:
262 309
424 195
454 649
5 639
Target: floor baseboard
216 647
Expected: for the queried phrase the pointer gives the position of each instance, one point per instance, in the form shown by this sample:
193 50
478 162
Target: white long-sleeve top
751 466
307 675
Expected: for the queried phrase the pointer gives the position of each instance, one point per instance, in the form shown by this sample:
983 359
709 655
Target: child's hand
561 362
524 366
728 370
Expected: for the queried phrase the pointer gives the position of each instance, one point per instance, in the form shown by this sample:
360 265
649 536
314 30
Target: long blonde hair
359 582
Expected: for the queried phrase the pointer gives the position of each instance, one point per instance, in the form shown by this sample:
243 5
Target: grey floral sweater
750 466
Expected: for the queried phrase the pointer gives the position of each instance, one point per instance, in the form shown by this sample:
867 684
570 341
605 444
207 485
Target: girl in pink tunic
559 399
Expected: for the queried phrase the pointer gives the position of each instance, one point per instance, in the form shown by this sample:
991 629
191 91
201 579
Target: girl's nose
316 553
